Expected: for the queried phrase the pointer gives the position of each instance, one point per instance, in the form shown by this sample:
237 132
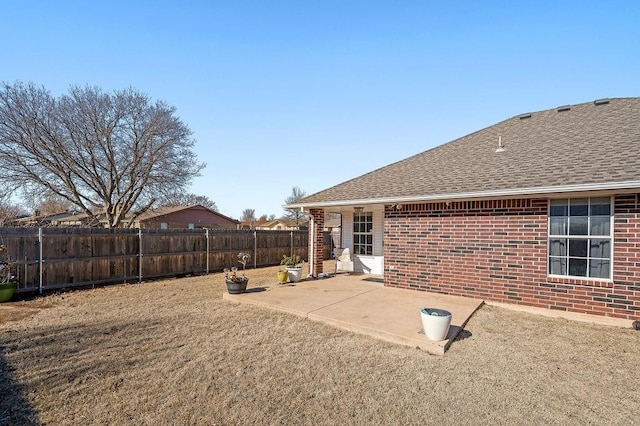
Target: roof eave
626 186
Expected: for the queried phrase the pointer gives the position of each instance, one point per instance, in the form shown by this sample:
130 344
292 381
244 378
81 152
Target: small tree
10 211
248 215
296 194
182 199
52 204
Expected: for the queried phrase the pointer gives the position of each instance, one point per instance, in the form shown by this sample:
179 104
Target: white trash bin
436 323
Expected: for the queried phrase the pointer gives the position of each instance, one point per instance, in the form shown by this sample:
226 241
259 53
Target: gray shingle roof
165 210
595 143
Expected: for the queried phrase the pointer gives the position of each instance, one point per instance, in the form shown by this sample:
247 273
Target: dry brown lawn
173 352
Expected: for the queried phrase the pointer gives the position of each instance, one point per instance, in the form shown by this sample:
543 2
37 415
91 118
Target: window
363 233
164 225
191 226
580 237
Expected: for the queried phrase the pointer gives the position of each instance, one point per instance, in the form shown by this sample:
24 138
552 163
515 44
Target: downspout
312 243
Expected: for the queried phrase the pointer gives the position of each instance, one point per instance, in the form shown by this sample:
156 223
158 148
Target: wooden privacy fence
53 258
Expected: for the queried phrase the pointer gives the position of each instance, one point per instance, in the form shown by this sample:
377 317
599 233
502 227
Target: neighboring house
38 219
184 217
282 224
542 209
252 224
174 217
80 219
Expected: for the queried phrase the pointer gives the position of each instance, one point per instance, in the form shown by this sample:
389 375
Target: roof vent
564 108
500 145
523 116
601 101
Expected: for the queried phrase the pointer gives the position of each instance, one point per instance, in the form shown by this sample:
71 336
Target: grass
172 352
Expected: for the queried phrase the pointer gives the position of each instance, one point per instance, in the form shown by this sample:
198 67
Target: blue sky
312 93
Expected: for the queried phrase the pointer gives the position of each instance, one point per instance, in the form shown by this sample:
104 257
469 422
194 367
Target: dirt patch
16 311
172 352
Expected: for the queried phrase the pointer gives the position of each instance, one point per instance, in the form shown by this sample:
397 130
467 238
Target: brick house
542 210
184 217
169 217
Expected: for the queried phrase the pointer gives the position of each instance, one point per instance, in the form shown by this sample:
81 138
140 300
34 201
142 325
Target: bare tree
296 194
248 215
10 211
187 199
108 154
51 204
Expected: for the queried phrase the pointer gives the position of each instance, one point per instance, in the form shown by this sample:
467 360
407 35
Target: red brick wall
497 250
200 217
316 237
625 294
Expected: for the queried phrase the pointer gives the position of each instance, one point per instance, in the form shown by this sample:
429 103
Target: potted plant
283 276
237 284
293 264
436 323
7 279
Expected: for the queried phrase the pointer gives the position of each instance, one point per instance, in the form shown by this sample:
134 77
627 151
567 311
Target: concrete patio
361 304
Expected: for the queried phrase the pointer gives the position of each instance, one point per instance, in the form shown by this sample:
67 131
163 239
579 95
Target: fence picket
50 258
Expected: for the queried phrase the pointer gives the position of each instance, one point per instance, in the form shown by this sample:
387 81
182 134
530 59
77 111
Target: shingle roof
46 217
165 210
589 144
151 214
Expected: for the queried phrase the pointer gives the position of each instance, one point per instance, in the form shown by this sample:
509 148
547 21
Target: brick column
316 240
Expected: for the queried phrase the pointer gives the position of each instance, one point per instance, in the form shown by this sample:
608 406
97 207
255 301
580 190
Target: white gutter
543 190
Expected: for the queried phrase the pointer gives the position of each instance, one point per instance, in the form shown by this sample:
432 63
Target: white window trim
354 233
611 237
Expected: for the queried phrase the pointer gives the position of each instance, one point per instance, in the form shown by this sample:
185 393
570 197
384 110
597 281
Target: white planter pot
436 323
295 274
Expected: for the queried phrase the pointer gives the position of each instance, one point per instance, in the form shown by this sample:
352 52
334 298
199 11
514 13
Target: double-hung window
363 233
580 241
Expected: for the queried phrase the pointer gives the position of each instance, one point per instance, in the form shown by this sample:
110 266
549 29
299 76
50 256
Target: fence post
207 236
139 255
255 249
40 260
26 271
292 243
